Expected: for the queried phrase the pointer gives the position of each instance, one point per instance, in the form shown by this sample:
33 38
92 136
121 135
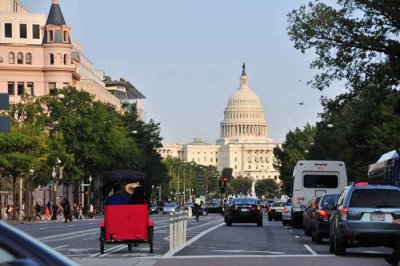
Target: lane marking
65 234
114 250
191 241
61 247
236 256
311 250
66 238
297 237
105 251
249 251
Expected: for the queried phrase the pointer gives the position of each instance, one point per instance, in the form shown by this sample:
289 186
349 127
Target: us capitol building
243 145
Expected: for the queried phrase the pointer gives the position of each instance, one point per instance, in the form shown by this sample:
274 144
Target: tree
358 41
266 187
296 146
228 173
241 185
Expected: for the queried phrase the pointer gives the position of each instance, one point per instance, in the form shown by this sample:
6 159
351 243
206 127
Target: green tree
296 147
356 41
228 173
241 185
266 187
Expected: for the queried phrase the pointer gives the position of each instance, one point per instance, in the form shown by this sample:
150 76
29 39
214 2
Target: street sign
50 183
85 185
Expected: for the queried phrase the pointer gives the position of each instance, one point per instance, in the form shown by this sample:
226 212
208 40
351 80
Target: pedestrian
54 210
91 211
9 212
37 210
66 210
80 212
76 215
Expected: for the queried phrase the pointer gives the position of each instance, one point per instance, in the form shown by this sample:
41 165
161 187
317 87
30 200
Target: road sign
50 183
85 185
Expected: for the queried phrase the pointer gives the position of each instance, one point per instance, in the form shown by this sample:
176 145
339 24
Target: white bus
313 179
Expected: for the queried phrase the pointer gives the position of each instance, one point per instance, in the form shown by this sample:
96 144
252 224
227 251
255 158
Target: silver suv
366 215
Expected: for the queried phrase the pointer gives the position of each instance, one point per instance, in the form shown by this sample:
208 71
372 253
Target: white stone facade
243 145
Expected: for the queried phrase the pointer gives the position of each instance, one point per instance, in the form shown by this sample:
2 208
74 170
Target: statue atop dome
244 69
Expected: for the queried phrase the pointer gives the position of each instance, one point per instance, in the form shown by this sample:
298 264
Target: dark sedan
326 208
213 207
243 210
17 248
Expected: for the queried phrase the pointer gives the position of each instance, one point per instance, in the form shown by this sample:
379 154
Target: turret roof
55 15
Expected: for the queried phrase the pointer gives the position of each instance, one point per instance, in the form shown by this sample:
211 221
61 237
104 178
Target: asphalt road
210 242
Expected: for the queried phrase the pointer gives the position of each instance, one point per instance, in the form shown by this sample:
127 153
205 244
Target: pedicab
125 224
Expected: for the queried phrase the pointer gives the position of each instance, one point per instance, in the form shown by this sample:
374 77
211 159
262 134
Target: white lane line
373 252
66 238
201 225
71 225
297 237
290 230
250 251
191 241
106 251
311 250
114 250
60 247
241 256
66 234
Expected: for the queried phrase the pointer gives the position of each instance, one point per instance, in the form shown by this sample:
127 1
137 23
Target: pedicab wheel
130 247
102 235
150 238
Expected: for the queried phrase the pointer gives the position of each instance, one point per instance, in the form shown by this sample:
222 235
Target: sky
186 57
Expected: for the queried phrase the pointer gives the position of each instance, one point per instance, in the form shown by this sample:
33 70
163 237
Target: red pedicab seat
126 224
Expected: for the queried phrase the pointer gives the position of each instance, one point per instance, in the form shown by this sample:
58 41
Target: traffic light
225 180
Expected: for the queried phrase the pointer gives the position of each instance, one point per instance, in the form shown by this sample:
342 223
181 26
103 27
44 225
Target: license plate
244 210
377 217
278 210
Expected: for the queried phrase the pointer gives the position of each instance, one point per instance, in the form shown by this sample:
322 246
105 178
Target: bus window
320 181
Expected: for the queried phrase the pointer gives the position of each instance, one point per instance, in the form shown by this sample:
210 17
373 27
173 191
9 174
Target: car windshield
244 201
170 205
278 204
330 198
375 198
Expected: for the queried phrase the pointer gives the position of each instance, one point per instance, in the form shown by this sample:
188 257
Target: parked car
17 248
366 216
213 207
275 211
326 208
243 210
287 213
154 208
308 215
170 207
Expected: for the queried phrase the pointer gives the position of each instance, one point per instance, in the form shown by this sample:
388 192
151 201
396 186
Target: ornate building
243 145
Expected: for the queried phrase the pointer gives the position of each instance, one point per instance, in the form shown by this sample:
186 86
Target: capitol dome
244 119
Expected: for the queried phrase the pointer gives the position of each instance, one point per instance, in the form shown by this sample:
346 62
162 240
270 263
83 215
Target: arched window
51 59
20 58
11 58
28 59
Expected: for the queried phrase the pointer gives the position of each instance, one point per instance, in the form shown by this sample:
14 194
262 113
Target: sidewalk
60 219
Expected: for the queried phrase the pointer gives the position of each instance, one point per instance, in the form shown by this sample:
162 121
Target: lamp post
90 189
55 181
170 183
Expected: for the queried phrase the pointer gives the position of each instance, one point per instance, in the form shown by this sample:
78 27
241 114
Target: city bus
386 171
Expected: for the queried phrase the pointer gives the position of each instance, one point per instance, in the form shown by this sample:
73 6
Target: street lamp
55 181
90 189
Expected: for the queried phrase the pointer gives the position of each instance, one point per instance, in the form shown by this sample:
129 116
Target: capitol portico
243 145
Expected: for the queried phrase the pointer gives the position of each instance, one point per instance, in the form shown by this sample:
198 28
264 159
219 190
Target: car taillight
360 184
233 208
323 214
285 210
343 214
255 208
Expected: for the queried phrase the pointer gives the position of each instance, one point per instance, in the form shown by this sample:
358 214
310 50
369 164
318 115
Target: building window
65 59
30 88
52 88
11 88
65 36
51 59
66 85
20 88
211 159
11 58
216 160
249 167
23 31
235 167
20 59
51 36
36 31
28 59
8 30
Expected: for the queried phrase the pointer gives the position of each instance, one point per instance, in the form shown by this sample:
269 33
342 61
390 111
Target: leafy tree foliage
228 173
357 41
241 185
295 148
266 187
